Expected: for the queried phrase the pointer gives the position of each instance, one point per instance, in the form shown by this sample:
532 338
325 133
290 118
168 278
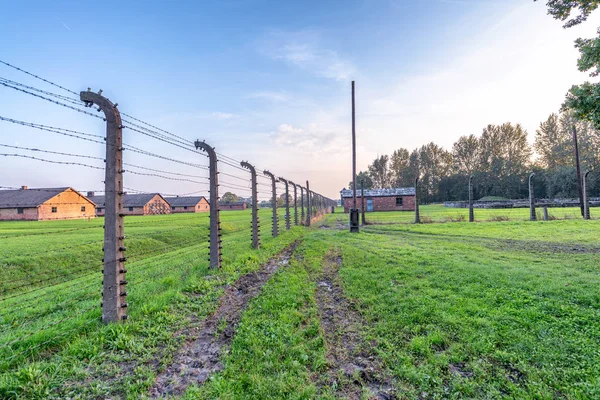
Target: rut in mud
200 357
353 371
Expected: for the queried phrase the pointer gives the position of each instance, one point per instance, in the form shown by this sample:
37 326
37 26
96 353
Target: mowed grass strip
57 346
453 316
278 346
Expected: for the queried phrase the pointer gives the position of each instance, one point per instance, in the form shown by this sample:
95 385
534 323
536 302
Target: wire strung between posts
190 149
71 133
51 161
51 152
183 142
76 102
180 138
53 101
38 77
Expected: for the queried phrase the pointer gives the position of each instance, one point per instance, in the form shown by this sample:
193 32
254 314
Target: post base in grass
354 220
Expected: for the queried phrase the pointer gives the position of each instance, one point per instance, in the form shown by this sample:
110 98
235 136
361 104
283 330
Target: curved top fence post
215 221
114 292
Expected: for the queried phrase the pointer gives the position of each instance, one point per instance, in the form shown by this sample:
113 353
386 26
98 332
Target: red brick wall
10 214
157 206
387 203
202 206
232 208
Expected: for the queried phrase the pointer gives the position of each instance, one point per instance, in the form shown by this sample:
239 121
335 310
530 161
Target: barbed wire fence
106 263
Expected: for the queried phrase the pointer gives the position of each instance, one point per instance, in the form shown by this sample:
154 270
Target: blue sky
269 81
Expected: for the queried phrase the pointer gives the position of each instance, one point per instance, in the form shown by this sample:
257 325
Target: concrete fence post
532 216
362 200
214 214
302 205
471 213
255 217
586 197
308 205
417 216
295 202
114 291
287 202
545 213
274 224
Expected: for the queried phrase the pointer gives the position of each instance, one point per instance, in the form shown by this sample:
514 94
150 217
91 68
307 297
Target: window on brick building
82 208
54 209
173 208
398 201
130 208
19 211
185 207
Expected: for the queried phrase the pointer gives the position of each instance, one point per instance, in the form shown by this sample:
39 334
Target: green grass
278 345
439 213
457 310
454 310
50 333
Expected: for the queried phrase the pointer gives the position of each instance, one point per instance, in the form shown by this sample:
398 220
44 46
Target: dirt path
353 370
200 356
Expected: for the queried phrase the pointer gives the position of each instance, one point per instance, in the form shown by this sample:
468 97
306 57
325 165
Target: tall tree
364 177
582 99
465 153
505 157
435 163
379 172
229 197
553 143
401 174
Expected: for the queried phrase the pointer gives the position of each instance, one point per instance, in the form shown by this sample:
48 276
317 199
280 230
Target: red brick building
232 205
395 199
136 204
44 204
182 204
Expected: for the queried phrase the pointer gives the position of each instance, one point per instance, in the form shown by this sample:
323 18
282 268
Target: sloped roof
27 198
410 191
184 201
129 200
232 203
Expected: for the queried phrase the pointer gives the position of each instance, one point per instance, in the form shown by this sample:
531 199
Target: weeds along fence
91 250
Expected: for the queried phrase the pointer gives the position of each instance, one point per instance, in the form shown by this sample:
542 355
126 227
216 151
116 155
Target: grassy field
450 310
439 213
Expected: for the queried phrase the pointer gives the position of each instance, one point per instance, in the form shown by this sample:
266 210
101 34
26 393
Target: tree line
500 161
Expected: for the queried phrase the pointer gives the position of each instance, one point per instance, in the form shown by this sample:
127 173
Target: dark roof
184 201
27 198
410 191
231 203
129 200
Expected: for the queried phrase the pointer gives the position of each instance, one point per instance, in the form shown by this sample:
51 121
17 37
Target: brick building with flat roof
394 199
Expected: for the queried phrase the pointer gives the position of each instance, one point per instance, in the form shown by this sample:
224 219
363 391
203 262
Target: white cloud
314 138
222 115
517 70
275 97
303 49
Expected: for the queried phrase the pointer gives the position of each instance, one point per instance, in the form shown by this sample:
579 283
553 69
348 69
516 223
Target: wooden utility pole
578 168
354 226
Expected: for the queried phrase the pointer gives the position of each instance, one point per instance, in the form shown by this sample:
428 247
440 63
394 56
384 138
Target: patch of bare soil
201 355
353 370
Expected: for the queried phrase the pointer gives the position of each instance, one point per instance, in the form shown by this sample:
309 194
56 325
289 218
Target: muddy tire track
201 357
353 370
